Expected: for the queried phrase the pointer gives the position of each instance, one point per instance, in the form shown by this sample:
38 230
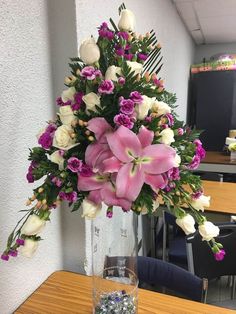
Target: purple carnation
194 163
200 151
29 175
57 181
121 80
123 35
105 32
71 197
180 131
109 213
120 52
196 195
74 164
122 119
60 102
88 72
219 256
106 87
128 56
170 119
173 174
20 241
86 171
51 128
78 97
126 106
5 257
45 140
142 56
136 97
13 253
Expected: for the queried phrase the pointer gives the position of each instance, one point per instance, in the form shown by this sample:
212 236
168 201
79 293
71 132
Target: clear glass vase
233 156
114 260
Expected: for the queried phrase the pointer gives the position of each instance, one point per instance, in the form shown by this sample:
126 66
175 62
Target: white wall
206 51
36 41
160 15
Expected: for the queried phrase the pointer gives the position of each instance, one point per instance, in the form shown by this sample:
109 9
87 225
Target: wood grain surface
217 158
69 293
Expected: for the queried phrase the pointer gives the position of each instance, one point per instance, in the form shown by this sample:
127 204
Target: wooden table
217 162
223 196
69 293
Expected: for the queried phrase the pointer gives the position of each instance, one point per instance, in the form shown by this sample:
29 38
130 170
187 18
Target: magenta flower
219 256
197 194
13 253
126 106
60 102
57 181
136 97
173 174
45 140
86 171
123 35
74 164
142 56
20 241
71 197
120 52
51 128
194 163
140 161
170 119
5 257
29 176
180 131
121 80
200 151
88 72
106 87
128 56
122 119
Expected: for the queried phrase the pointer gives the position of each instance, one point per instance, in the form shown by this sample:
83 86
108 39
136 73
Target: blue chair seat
177 251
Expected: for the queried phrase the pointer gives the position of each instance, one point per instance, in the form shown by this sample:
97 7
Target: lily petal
93 152
111 165
109 197
129 181
145 136
158 158
94 182
99 126
156 181
95 196
124 144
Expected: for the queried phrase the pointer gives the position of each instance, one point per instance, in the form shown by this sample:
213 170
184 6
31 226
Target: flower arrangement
116 140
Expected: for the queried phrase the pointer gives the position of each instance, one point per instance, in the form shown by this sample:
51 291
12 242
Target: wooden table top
69 293
217 158
223 196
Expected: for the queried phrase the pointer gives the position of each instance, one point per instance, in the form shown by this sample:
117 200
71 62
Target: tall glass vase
114 254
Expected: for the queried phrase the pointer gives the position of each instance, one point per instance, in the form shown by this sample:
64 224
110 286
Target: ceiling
209 21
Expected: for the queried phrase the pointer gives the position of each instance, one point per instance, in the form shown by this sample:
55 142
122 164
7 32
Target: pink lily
137 161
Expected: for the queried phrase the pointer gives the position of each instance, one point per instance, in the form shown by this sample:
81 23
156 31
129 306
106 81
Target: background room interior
36 43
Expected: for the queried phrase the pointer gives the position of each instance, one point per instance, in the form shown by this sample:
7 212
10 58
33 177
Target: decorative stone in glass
114 255
233 156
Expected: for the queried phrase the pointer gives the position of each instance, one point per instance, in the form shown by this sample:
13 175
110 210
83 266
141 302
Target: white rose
208 231
201 202
66 115
62 138
57 159
135 66
186 224
33 225
29 248
143 108
91 100
111 73
167 136
127 20
89 51
177 161
68 94
90 209
160 108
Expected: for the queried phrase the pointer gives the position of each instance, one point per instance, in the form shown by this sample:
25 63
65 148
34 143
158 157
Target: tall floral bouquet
116 141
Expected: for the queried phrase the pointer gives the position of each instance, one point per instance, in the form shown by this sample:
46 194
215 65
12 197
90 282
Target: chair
170 276
201 261
175 241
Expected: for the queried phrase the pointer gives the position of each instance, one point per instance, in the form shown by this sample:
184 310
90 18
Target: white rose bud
135 66
177 161
66 115
160 108
208 230
201 202
62 138
90 209
89 51
167 136
29 248
127 21
143 108
91 100
186 224
111 73
33 225
68 94
57 159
